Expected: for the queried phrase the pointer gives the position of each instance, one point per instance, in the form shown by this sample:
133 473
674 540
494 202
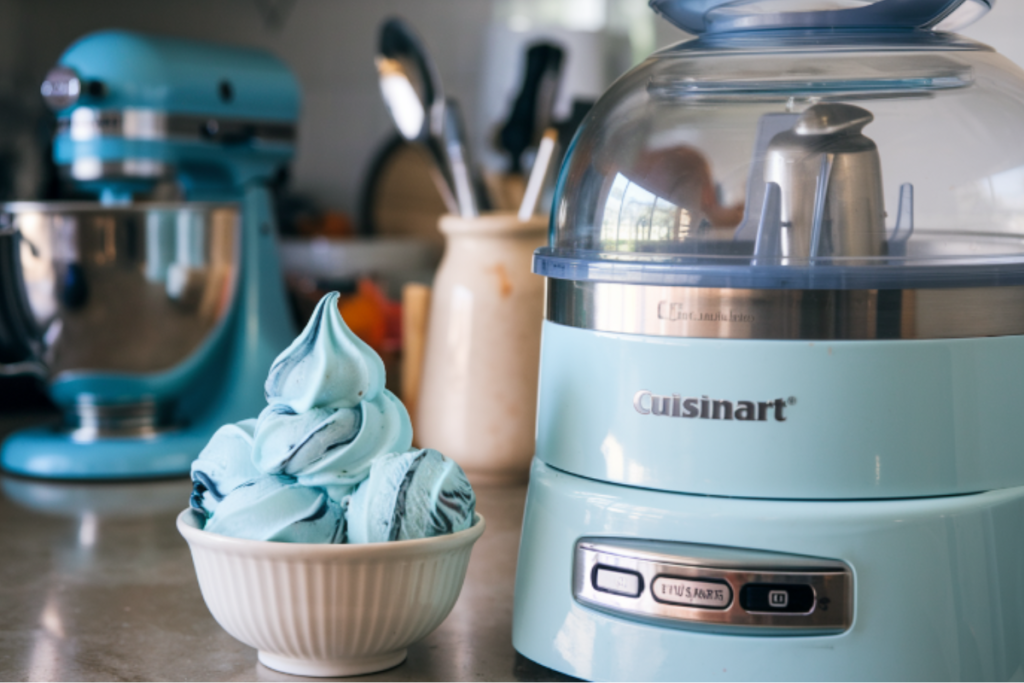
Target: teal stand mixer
154 313
779 429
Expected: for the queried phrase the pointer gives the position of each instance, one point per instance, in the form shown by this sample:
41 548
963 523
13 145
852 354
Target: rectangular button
769 597
691 593
617 581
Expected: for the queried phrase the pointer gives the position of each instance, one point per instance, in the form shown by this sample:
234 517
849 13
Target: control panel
727 590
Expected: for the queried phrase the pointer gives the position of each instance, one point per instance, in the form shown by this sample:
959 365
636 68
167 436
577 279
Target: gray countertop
97 584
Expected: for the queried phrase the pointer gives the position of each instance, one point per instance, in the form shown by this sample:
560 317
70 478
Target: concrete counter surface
97 584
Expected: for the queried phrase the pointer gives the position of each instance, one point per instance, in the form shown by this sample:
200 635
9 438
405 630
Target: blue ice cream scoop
418 494
331 446
277 508
286 442
326 365
224 465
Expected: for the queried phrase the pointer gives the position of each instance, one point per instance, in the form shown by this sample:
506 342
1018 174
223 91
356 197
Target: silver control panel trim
712 588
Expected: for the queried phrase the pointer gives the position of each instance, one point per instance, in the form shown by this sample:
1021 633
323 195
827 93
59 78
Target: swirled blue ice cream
326 365
330 448
223 466
410 495
275 508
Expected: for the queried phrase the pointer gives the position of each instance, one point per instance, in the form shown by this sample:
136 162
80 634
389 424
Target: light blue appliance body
937 585
222 381
901 459
756 461
871 419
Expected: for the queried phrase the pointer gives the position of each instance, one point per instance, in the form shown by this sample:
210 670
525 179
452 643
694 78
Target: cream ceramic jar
478 397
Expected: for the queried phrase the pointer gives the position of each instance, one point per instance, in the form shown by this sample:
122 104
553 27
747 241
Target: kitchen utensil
506 190
399 196
538 174
154 321
457 149
329 609
531 111
777 433
412 90
477 400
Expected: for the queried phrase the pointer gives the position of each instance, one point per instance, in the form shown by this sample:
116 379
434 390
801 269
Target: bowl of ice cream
318 535
315 609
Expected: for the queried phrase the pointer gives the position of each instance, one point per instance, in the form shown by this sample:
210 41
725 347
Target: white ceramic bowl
329 610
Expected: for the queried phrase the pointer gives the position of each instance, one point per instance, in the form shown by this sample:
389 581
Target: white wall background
1003 29
329 44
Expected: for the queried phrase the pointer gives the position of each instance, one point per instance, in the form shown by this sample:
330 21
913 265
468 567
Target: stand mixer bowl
118 308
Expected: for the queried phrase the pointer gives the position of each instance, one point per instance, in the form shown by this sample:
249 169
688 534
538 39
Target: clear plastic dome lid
702 16
800 160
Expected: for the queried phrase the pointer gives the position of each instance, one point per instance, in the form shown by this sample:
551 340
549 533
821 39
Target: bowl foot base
353 666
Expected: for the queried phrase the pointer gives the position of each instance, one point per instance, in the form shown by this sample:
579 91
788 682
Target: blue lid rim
739 274
702 16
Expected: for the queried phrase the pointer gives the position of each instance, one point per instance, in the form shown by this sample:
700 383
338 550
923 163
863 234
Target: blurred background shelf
337 261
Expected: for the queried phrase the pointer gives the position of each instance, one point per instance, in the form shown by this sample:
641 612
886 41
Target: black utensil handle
518 132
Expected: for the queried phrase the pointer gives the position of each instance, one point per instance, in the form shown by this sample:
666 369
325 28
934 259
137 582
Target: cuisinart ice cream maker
781 415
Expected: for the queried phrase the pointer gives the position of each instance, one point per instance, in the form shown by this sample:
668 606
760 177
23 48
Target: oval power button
707 594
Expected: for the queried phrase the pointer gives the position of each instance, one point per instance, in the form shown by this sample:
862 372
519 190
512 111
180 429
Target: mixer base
936 585
51 454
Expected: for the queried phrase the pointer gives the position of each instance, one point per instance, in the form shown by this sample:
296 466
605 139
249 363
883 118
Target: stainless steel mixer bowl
110 289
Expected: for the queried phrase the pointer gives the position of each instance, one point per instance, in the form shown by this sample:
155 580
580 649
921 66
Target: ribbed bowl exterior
326 604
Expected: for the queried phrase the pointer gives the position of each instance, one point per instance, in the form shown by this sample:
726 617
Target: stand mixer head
152 322
135 110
